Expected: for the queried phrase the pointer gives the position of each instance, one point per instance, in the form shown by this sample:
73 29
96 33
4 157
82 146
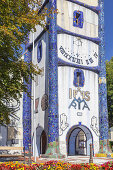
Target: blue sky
108 5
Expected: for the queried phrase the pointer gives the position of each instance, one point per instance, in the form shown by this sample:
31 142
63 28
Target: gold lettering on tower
73 94
87 97
70 93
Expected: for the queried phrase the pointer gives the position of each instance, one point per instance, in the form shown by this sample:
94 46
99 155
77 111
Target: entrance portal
43 142
79 139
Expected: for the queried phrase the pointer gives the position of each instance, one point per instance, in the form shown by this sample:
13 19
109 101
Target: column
27 109
53 126
102 85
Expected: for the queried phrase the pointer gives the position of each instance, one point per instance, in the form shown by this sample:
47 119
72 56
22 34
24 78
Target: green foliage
111 144
17 19
109 75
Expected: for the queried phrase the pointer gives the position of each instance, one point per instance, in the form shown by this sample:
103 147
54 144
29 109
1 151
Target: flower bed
55 165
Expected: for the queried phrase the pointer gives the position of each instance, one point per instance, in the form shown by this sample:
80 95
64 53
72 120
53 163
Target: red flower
76 167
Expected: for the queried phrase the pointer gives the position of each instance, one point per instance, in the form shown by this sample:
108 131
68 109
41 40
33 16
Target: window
39 52
78 78
78 19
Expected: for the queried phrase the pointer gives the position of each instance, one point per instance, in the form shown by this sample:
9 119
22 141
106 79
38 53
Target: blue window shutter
39 51
78 19
79 73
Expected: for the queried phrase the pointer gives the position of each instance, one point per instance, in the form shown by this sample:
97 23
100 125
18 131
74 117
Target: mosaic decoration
44 102
53 150
78 19
102 80
53 131
94 125
104 146
53 122
102 85
78 78
27 109
63 123
54 62
102 76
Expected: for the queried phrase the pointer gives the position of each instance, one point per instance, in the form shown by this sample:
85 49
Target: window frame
81 78
80 19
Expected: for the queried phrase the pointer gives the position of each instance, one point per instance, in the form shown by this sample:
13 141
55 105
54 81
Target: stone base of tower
53 151
104 150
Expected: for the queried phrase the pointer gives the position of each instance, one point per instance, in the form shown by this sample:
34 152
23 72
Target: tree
17 19
109 75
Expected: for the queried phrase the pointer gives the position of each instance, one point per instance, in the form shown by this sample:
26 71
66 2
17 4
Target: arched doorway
43 142
78 141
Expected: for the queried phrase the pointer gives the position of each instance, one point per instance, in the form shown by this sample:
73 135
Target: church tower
69 110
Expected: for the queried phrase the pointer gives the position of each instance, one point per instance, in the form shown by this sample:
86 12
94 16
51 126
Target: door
43 142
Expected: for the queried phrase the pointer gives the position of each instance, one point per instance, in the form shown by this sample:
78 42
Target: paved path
77 159
71 159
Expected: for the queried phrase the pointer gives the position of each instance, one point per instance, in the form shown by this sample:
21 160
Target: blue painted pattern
53 78
61 31
78 19
102 76
81 78
27 109
61 62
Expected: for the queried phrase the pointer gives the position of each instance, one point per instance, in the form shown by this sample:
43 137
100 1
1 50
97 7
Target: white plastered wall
65 18
70 46
40 90
65 82
90 2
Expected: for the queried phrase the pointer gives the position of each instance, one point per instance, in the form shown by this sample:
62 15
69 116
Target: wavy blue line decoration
102 78
95 9
64 63
60 30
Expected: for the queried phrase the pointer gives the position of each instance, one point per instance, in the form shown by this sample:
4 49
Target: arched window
78 19
39 51
78 78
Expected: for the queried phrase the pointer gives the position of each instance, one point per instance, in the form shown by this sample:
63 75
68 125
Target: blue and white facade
70 104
